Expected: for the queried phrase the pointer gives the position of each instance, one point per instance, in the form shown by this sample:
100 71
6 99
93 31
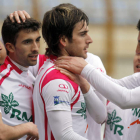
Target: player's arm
121 96
96 61
59 114
93 103
16 132
129 82
61 125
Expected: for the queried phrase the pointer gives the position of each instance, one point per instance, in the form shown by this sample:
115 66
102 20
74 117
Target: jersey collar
16 66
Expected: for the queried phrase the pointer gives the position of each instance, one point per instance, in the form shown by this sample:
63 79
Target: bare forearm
12 133
15 132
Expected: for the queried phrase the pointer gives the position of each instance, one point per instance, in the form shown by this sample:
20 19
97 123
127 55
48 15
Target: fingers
28 137
19 14
26 14
62 63
11 17
61 66
31 138
16 15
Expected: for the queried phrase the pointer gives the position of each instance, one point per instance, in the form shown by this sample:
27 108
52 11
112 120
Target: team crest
56 100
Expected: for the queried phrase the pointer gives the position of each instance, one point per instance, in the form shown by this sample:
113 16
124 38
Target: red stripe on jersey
46 119
14 66
52 137
75 100
42 59
5 76
43 77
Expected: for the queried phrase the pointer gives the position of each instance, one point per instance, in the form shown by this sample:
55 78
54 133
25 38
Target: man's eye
27 42
82 34
38 40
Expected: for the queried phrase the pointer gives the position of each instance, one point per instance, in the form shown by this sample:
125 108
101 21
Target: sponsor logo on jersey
25 86
136 113
58 101
9 104
63 88
82 111
112 121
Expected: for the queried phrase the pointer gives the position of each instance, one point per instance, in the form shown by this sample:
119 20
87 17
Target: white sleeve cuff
89 92
86 70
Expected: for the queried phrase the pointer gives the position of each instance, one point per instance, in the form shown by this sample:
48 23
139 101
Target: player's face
26 48
136 62
80 41
2 53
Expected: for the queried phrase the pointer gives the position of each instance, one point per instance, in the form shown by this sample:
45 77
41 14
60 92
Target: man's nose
89 40
35 47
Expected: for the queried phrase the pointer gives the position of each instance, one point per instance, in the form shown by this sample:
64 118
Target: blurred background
112 27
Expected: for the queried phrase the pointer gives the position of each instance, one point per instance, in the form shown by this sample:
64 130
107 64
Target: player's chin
32 63
84 55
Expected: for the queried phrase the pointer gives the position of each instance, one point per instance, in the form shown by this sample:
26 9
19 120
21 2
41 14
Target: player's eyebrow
29 40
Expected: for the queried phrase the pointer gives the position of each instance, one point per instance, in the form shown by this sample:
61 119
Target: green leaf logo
8 102
83 110
112 120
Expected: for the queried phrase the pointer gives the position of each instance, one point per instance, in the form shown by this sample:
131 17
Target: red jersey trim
42 59
14 66
8 61
75 101
5 76
55 74
46 119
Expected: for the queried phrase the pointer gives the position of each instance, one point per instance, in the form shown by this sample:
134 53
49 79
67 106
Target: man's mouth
33 57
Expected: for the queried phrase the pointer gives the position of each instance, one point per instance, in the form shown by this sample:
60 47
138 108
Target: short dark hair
11 29
60 21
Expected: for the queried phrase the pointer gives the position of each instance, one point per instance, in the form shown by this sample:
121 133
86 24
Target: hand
22 14
33 131
83 83
31 138
73 64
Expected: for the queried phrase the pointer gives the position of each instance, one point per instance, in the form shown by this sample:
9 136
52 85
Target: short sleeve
57 95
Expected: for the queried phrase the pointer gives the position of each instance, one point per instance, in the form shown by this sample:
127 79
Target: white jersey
125 95
116 123
54 91
94 129
126 125
16 87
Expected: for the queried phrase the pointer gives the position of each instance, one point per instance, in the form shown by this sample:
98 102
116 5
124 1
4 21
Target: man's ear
63 41
10 47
